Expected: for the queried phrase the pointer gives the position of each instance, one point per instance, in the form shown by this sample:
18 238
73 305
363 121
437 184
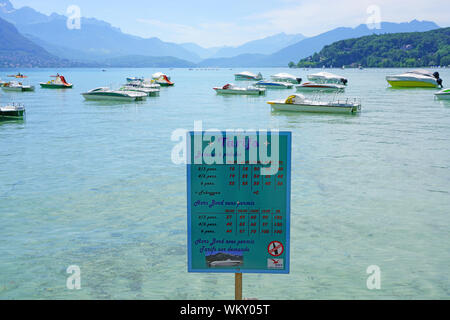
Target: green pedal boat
59 83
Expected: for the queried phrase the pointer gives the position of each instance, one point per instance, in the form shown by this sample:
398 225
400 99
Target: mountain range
309 46
99 43
15 50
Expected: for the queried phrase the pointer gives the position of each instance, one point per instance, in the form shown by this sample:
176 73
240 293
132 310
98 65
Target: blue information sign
239 202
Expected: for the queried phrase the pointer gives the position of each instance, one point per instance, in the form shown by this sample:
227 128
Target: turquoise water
93 185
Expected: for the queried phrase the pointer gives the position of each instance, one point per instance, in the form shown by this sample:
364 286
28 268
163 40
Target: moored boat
327 77
298 103
323 87
286 77
12 111
59 83
105 93
443 94
248 76
131 79
149 84
158 75
18 76
164 81
232 89
151 92
17 86
274 84
415 79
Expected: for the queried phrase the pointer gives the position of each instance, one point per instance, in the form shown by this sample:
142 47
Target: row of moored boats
319 82
135 89
324 82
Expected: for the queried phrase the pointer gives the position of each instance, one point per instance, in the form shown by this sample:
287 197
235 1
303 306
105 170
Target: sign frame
286 246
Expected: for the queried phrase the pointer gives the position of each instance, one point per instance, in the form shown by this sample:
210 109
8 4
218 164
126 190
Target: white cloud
315 17
307 17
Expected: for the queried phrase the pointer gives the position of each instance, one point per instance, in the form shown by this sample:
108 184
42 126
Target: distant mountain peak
6 6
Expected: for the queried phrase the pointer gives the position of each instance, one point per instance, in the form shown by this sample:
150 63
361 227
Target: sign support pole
238 286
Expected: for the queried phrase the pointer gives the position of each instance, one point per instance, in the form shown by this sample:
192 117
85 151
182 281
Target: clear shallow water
92 185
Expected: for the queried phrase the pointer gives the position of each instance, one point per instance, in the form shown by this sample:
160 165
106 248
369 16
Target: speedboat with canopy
298 103
326 77
232 89
59 83
286 77
248 76
415 79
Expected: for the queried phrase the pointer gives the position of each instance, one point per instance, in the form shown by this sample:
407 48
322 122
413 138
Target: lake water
93 185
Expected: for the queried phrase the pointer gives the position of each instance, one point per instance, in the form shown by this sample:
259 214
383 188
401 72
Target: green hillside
415 49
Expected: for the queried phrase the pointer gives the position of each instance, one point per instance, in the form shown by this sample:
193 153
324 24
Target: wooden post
238 286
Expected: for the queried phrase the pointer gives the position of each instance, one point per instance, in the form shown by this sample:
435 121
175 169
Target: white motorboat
443 94
104 93
151 92
298 103
232 89
150 84
326 77
286 77
323 87
12 111
226 263
248 76
274 85
415 79
17 86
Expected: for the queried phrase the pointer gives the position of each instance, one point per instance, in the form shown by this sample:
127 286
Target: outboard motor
299 80
438 79
344 81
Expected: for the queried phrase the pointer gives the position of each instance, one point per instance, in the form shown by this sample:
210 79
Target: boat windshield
422 72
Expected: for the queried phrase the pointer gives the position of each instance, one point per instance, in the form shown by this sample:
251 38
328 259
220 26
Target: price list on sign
239 202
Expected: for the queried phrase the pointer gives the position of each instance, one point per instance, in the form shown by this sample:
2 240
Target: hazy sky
233 22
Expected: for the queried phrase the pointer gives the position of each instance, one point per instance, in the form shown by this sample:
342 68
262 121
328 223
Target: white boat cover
284 76
326 75
249 74
419 73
